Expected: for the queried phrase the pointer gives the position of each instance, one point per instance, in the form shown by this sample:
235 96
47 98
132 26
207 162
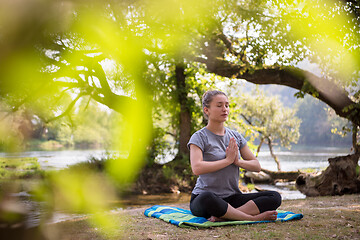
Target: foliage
282 33
89 125
167 108
95 164
262 41
15 168
329 30
56 54
179 172
11 127
266 117
162 147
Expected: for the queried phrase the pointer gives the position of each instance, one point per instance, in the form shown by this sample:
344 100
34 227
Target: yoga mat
184 218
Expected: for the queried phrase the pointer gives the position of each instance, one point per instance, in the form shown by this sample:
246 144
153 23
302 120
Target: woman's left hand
249 161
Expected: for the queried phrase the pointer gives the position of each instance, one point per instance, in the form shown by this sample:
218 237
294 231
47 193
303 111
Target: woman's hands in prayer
248 161
232 151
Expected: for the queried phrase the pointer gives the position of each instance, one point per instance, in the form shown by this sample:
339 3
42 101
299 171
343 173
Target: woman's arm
249 161
199 166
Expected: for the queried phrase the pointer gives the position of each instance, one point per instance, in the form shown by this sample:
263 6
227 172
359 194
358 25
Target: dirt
336 217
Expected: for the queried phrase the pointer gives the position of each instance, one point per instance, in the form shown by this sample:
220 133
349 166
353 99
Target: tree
282 30
247 56
214 41
61 49
319 124
63 52
267 116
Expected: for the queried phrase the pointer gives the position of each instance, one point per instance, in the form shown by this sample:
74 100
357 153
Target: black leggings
207 204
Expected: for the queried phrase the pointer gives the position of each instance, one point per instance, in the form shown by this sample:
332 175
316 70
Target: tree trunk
356 146
288 176
267 176
273 154
260 144
185 114
340 177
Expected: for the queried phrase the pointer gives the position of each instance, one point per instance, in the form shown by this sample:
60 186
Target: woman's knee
276 199
207 198
208 204
270 200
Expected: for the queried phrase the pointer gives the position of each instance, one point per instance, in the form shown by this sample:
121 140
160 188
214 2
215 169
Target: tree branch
328 92
100 74
115 102
228 44
68 109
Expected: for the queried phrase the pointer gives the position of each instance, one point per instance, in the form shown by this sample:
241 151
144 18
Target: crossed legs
252 206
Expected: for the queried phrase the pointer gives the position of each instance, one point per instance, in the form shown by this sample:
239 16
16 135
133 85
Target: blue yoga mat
184 218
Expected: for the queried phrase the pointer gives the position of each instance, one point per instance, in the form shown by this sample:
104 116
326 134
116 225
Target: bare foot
215 219
268 215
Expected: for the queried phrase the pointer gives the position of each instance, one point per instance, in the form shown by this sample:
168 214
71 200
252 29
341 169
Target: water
58 159
290 160
297 158
301 158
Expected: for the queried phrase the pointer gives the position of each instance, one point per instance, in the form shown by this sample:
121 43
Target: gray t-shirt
224 182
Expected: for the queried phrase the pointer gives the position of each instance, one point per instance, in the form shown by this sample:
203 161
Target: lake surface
58 159
301 158
290 160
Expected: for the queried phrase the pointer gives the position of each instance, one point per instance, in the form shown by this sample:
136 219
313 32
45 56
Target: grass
336 217
19 168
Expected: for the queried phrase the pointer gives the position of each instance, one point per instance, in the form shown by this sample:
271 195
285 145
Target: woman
215 156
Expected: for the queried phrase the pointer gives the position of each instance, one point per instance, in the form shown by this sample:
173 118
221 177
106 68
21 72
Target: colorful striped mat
184 218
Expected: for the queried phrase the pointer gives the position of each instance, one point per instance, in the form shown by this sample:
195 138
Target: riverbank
336 217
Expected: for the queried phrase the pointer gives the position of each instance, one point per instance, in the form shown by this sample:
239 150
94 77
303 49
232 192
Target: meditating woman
216 154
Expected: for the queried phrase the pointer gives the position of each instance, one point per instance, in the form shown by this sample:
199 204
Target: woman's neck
217 128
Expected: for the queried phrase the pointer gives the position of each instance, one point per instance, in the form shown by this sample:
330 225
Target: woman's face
219 108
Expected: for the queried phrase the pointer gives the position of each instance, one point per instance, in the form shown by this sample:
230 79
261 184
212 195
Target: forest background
150 62
91 124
